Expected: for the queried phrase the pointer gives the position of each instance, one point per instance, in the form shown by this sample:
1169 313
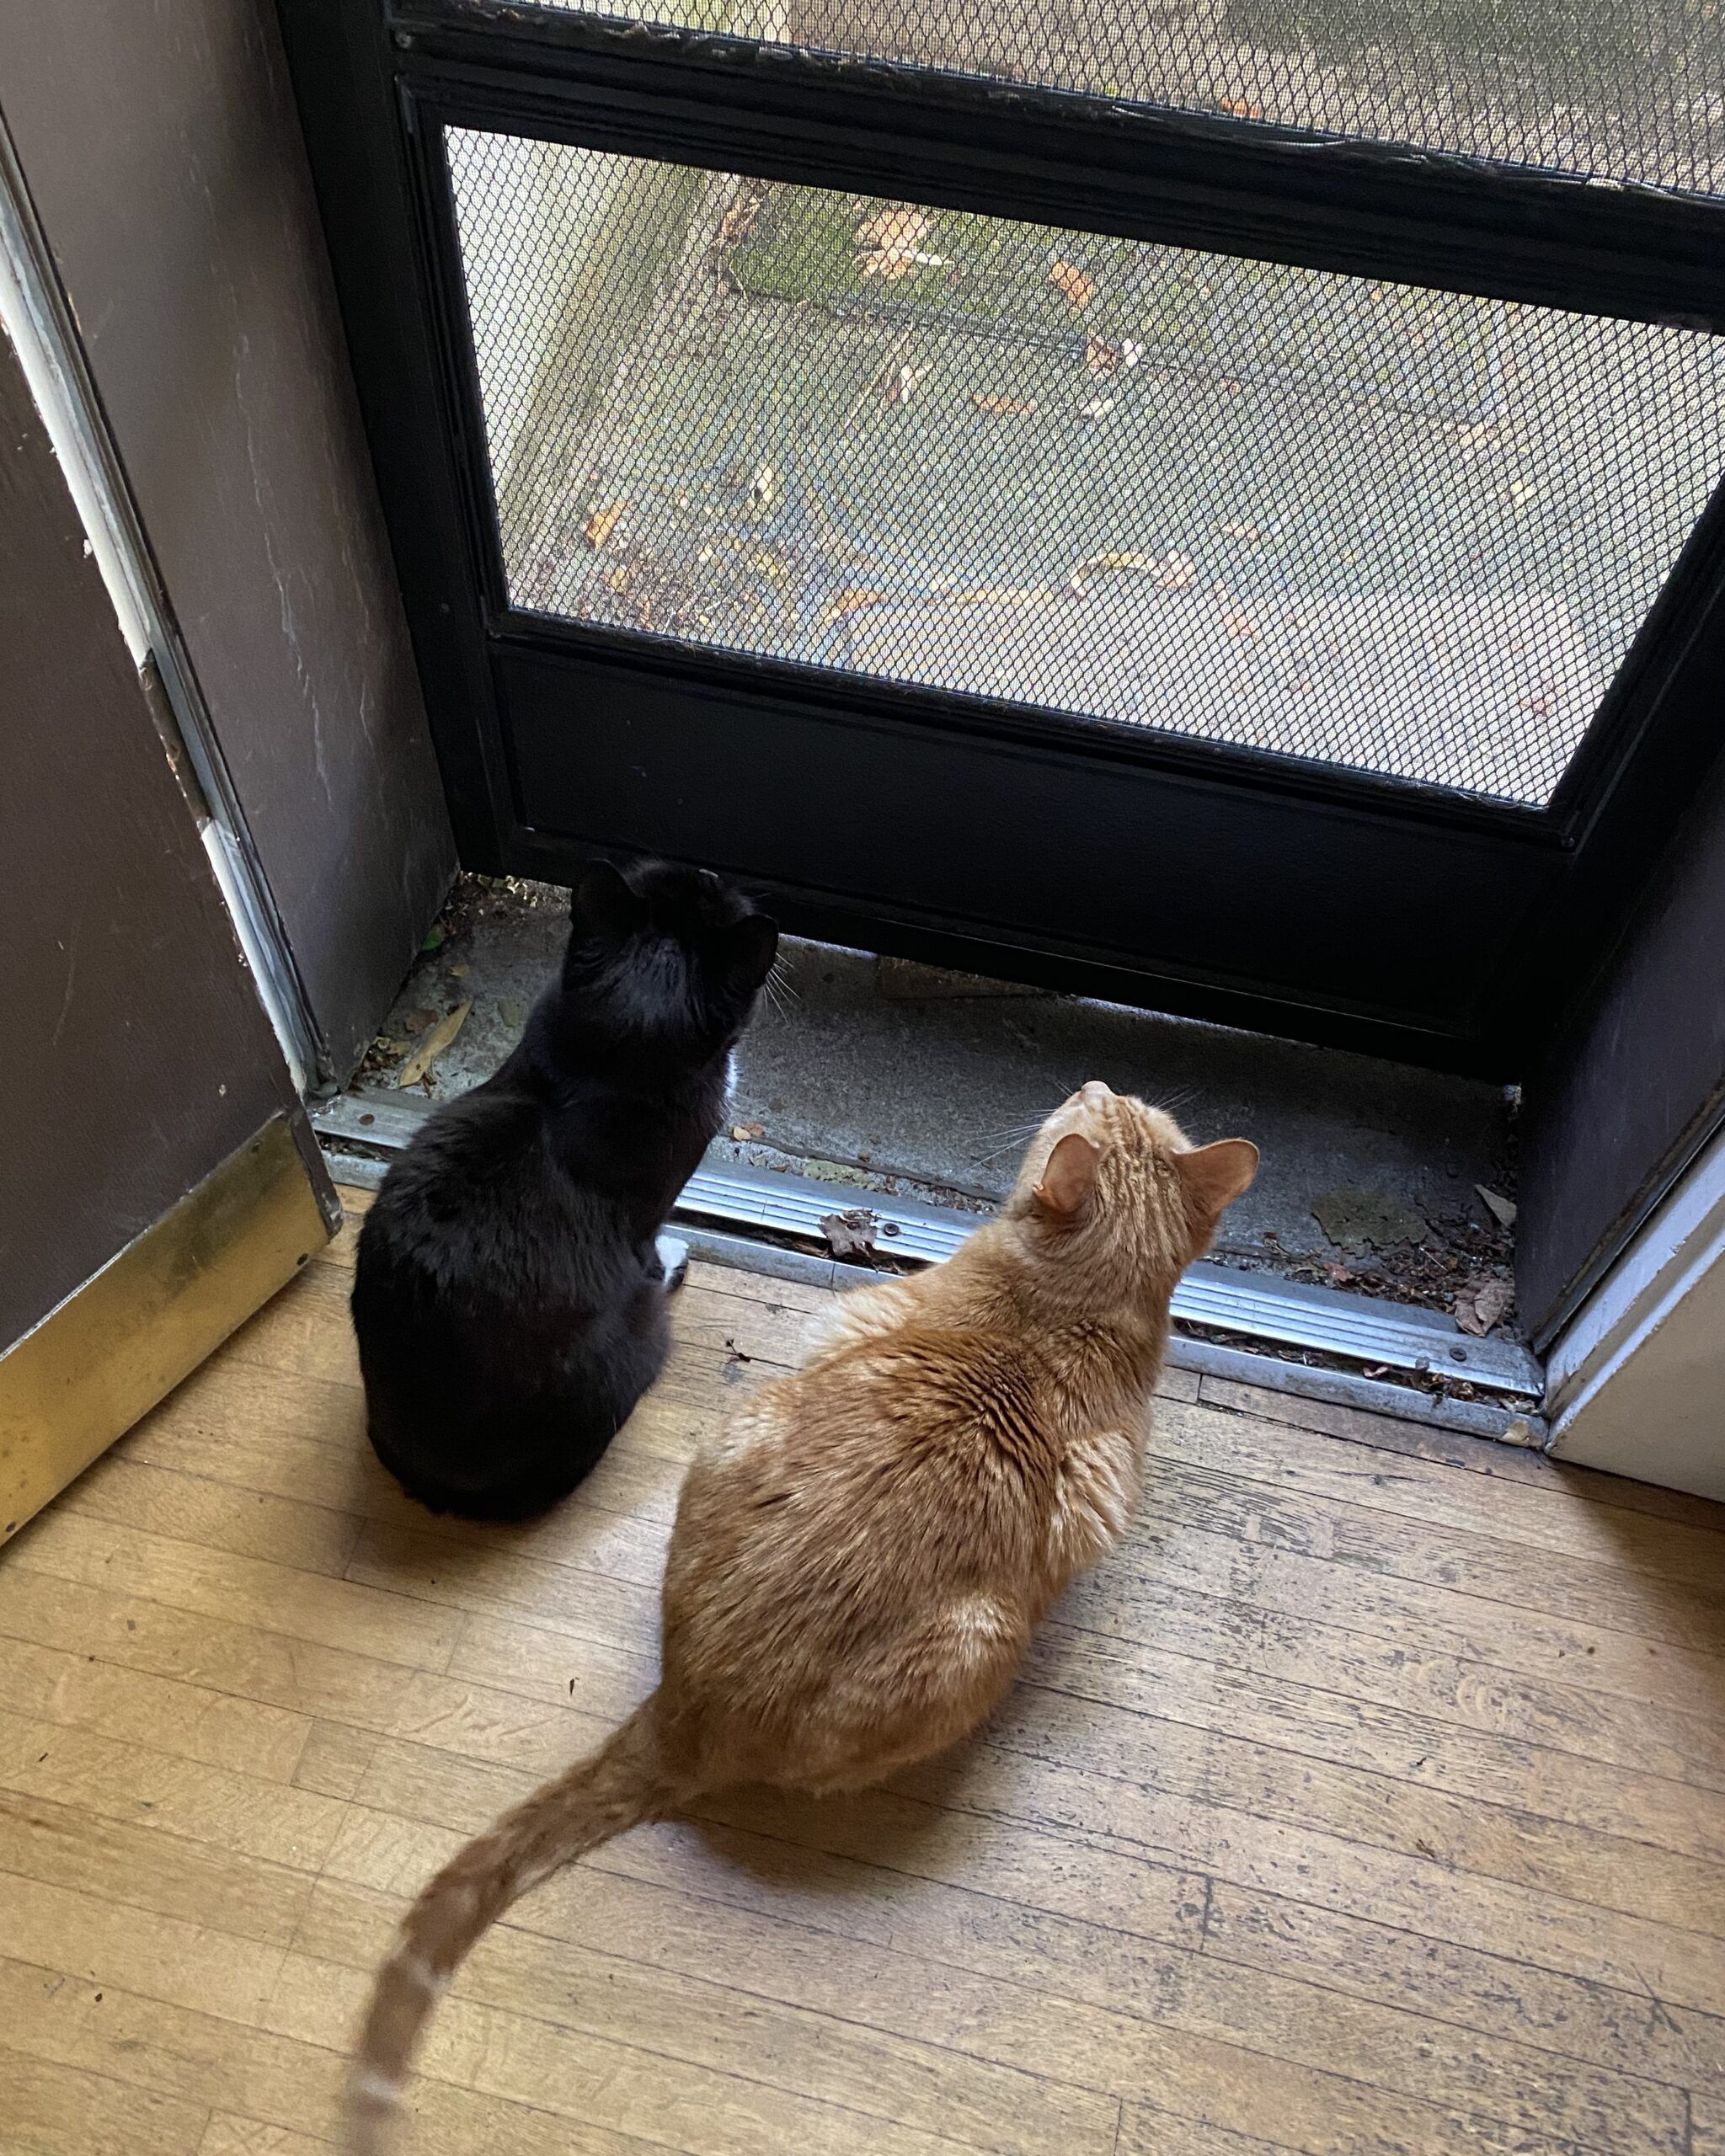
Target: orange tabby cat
861 1555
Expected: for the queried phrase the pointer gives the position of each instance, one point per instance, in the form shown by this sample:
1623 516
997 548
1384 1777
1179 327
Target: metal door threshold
1360 1327
729 1203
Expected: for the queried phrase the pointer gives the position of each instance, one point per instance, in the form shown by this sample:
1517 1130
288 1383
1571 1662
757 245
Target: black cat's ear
602 908
748 949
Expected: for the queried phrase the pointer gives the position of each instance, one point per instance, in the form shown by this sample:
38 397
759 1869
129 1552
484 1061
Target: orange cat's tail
613 1789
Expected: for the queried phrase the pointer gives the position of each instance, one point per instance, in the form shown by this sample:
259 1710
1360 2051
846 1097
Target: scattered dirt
1460 1257
1437 1385
440 968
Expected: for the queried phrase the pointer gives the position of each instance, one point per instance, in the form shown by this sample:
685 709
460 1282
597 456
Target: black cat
509 1298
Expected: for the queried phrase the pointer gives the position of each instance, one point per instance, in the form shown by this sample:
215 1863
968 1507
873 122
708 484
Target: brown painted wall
133 1054
162 150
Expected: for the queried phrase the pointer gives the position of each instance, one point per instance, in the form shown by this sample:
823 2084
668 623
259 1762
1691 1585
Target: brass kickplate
127 1336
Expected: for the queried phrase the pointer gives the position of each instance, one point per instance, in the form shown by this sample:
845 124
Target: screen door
1210 502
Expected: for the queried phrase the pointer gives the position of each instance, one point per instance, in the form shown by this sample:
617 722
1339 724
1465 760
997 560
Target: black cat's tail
618 1786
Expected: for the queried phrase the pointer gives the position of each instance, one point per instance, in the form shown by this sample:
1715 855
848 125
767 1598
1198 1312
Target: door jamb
36 318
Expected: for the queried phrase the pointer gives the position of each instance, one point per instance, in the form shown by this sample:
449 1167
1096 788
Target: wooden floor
1372 1799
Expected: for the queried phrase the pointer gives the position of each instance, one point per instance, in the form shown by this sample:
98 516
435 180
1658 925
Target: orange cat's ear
1215 1176
1068 1175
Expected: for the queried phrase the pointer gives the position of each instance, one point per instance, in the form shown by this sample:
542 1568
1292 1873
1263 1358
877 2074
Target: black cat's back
479 1288
508 1300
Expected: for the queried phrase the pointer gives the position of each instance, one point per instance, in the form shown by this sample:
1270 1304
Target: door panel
161 150
1635 1087
991 834
138 1062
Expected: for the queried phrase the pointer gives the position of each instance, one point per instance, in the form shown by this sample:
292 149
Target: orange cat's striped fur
860 1555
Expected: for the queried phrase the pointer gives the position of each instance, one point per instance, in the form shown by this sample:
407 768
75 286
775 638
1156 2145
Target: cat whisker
1022 1130
1007 1145
1014 1135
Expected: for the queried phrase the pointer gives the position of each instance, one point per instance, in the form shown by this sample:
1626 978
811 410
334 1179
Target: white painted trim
78 434
1635 1382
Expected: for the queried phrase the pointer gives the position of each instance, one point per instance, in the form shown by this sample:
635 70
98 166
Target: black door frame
1305 898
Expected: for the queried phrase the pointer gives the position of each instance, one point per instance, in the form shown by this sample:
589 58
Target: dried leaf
739 221
852 1234
1003 594
1101 357
433 1045
891 263
602 524
743 1132
851 602
1482 1304
1240 109
1095 564
1495 1300
1501 1209
1075 285
1006 408
1167 572
894 230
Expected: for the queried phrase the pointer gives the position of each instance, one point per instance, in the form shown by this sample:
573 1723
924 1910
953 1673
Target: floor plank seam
1056 1996
1405 1781
1339 1678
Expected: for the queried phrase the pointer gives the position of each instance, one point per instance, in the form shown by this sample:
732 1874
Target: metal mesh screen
1625 89
1405 530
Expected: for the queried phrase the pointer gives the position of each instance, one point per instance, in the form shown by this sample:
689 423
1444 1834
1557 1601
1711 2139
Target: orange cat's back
870 1542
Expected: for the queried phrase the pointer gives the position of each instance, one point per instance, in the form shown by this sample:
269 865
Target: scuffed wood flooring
1372 1800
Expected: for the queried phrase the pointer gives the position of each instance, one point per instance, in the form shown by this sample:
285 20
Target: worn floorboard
1372 1800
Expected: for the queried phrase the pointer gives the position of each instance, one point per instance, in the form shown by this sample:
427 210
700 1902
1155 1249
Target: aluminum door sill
733 1198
